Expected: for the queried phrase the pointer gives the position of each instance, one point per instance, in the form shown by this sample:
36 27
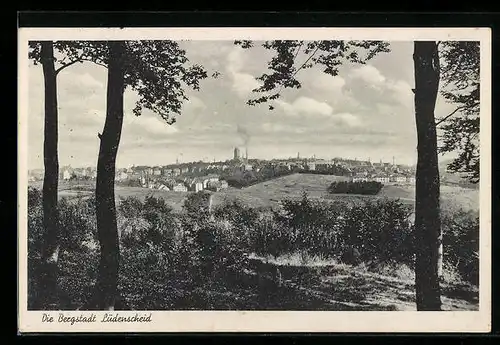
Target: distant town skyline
393 160
366 111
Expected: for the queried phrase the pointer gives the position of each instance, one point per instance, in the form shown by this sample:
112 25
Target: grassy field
303 284
269 193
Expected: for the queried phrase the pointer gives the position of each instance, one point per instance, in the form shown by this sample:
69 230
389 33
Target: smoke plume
244 134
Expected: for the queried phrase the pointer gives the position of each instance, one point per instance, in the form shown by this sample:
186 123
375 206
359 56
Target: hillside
269 193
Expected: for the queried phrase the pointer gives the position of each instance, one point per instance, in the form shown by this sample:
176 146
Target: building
121 176
360 178
209 179
217 185
66 175
157 171
382 178
410 179
197 186
311 166
237 154
184 170
163 187
176 172
180 188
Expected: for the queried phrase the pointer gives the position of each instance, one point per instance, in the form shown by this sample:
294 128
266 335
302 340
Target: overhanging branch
449 115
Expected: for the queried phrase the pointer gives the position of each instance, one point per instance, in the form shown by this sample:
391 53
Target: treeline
249 178
355 187
169 259
339 172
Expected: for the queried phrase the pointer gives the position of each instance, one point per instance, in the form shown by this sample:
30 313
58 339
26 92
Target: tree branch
64 65
305 62
301 66
449 115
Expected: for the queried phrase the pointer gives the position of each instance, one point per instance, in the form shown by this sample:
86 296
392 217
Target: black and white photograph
237 173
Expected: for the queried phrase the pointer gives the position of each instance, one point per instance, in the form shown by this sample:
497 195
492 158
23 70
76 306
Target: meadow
284 244
269 193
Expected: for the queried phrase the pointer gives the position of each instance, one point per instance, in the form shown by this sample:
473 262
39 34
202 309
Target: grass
318 285
267 194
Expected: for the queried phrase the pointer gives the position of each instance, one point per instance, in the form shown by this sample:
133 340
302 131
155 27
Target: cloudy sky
365 112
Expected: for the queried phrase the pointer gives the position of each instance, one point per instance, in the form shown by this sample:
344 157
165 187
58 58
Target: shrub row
200 247
357 187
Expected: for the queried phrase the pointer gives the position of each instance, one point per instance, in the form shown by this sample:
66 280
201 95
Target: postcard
254 180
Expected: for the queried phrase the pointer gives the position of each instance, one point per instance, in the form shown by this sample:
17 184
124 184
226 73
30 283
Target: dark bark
427 209
47 289
107 281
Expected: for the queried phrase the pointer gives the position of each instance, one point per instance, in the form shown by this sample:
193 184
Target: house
400 179
167 172
176 172
359 178
217 185
66 175
163 187
382 179
208 179
196 186
184 170
121 176
410 179
311 166
157 171
149 171
180 188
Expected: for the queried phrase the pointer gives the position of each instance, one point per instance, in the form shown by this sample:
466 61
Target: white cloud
268 127
348 119
194 103
401 91
322 82
305 105
368 74
80 81
242 83
150 124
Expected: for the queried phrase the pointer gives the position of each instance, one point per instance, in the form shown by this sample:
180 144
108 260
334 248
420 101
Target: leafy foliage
168 258
330 55
355 187
461 83
461 243
159 71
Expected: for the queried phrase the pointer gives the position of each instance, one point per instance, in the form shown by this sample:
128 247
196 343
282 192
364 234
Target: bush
358 187
461 243
380 230
165 256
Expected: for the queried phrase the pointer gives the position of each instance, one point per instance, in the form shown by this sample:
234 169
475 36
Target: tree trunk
47 289
107 280
427 211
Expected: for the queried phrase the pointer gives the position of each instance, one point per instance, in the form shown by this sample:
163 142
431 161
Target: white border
272 321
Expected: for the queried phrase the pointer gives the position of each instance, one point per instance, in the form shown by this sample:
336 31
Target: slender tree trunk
47 289
427 210
107 280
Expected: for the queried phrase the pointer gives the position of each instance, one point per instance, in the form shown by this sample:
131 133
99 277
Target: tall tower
236 154
393 161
